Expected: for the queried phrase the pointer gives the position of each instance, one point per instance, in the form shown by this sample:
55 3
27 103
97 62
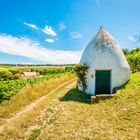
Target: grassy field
12 79
67 114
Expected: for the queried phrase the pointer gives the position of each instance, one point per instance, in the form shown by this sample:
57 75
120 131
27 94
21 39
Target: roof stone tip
101 28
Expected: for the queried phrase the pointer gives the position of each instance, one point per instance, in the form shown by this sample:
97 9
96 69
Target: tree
134 61
133 57
125 51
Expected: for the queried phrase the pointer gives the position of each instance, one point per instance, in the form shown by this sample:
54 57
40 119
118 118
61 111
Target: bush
69 69
134 61
133 57
15 71
125 51
5 75
81 70
49 71
16 76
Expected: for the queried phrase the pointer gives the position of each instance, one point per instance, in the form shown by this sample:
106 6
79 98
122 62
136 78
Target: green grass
35 133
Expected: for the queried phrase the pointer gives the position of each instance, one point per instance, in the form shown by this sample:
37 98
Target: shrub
16 76
5 75
134 61
81 70
125 51
49 71
69 69
133 57
15 71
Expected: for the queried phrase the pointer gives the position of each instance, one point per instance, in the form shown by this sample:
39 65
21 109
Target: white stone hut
108 67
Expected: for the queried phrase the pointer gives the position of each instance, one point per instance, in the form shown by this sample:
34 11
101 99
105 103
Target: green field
11 81
68 114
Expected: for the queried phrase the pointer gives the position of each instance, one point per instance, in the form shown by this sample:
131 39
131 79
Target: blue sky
57 31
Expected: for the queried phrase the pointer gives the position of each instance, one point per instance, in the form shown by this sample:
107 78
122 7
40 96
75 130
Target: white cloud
30 25
132 38
75 35
62 26
27 48
49 40
49 31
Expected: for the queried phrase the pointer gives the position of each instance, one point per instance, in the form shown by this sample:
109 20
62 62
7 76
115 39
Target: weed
35 133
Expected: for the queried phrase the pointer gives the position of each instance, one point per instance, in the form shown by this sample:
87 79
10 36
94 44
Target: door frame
110 80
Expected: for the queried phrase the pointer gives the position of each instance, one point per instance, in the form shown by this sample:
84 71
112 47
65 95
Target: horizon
50 32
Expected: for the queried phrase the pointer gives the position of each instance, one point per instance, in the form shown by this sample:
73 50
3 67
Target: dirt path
33 105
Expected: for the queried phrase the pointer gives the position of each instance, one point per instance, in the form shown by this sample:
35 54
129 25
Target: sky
57 31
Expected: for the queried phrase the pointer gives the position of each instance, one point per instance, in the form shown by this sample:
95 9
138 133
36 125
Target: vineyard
10 86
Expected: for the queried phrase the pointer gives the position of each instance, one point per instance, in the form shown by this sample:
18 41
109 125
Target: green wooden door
102 82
